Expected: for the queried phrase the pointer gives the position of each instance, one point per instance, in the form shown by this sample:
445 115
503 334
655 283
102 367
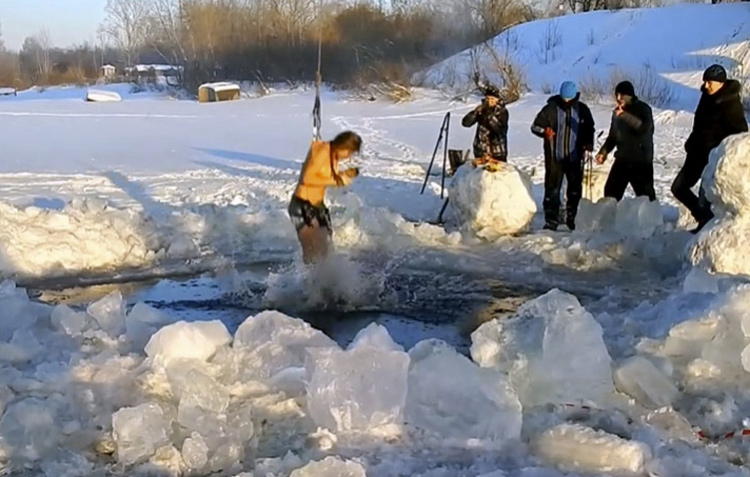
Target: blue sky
68 21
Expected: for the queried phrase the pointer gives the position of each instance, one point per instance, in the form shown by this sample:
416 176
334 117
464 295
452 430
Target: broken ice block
200 395
272 326
71 322
18 311
376 336
329 467
182 340
142 322
138 432
641 380
552 349
109 312
473 403
195 452
28 430
270 342
638 217
576 447
356 390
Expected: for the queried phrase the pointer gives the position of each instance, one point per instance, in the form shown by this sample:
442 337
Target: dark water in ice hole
426 305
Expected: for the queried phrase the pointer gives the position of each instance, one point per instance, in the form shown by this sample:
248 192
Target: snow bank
492 204
721 245
552 349
576 447
100 96
580 48
87 235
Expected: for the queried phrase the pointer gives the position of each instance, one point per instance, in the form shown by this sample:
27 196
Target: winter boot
571 223
550 226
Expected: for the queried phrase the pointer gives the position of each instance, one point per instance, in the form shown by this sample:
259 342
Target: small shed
107 71
212 92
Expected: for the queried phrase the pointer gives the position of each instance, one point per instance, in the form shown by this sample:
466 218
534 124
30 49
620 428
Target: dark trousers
554 171
688 176
639 174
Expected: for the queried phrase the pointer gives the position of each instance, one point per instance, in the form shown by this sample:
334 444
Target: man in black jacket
491 138
719 114
632 133
567 127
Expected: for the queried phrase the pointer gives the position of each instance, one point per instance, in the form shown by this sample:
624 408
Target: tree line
278 40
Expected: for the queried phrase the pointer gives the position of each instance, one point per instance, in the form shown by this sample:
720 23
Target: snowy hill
662 50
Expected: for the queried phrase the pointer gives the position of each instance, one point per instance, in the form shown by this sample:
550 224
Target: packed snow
628 355
492 204
721 246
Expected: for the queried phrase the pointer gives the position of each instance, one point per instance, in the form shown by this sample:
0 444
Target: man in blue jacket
567 127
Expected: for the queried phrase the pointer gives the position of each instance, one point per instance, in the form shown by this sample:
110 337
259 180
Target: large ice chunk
596 217
109 312
492 204
641 380
71 322
199 395
329 467
454 398
269 343
28 430
138 432
629 218
552 349
182 340
18 312
356 390
272 326
638 217
576 447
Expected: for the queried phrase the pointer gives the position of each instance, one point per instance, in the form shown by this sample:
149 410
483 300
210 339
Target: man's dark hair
347 140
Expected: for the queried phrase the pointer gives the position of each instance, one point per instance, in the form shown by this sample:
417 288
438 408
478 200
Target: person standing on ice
567 127
307 208
491 138
719 114
631 132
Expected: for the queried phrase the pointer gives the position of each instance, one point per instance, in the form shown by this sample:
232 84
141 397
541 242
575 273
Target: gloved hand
549 133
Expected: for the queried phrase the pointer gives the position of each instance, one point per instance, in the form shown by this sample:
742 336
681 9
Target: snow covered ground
603 351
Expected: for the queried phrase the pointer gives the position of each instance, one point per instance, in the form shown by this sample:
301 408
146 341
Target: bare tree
44 44
127 24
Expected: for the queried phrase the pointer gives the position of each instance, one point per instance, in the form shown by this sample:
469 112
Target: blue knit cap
568 90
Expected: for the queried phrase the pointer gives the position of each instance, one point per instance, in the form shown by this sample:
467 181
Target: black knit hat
490 90
625 88
715 73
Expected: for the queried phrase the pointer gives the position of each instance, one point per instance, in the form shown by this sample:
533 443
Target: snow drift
492 204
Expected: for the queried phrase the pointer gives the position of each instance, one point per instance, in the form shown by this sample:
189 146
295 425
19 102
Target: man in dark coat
719 114
632 133
491 118
567 127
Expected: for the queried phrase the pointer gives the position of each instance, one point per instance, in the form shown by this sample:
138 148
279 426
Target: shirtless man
307 209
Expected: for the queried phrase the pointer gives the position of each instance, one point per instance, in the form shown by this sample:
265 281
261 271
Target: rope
316 107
